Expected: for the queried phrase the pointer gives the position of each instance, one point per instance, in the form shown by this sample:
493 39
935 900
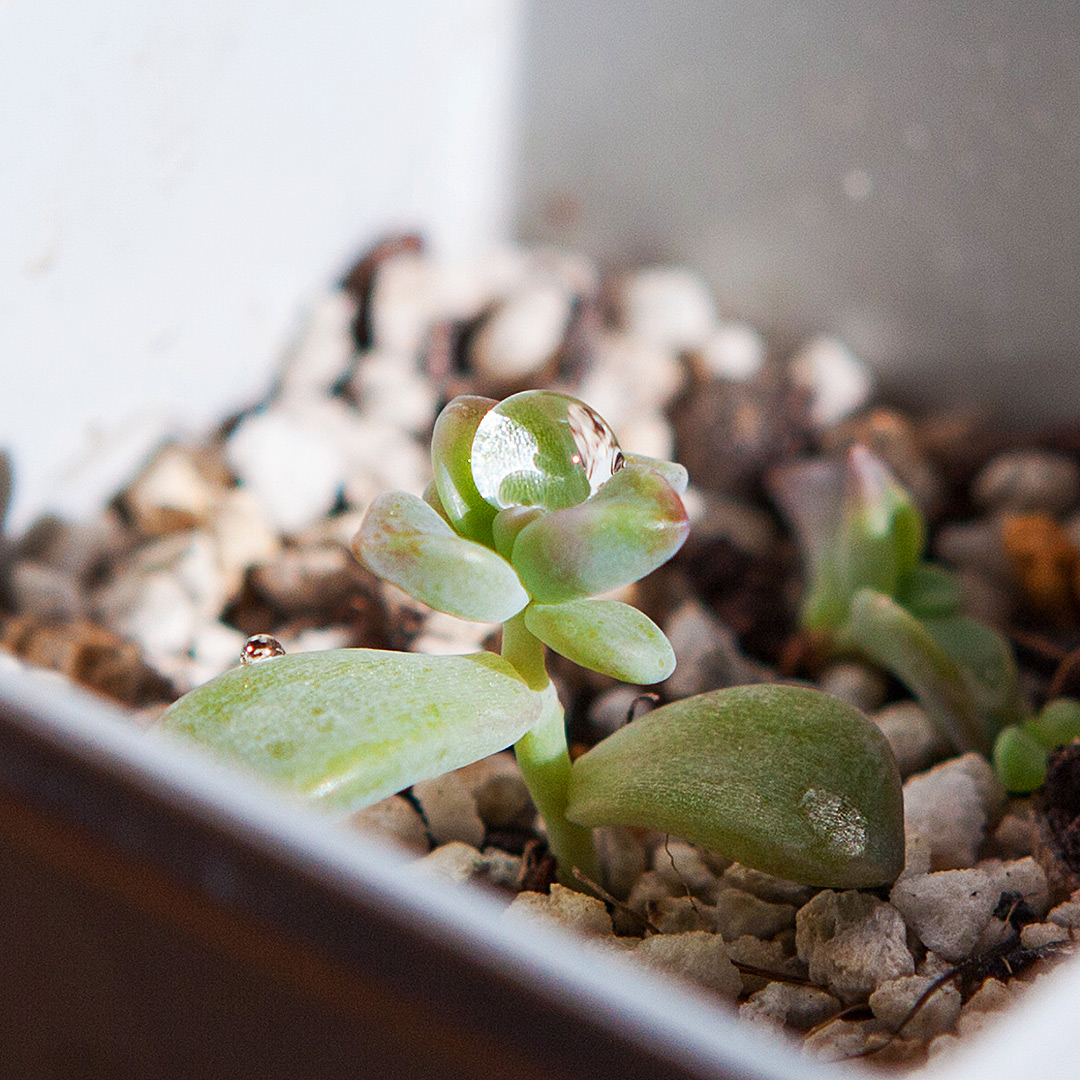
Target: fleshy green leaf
1057 724
405 541
784 779
606 636
451 449
348 727
632 525
1019 761
674 473
894 639
929 592
987 665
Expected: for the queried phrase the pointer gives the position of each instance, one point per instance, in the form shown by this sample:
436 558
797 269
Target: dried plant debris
238 543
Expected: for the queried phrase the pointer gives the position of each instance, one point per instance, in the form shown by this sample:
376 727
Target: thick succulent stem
545 760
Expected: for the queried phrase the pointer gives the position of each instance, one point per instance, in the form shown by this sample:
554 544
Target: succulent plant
532 512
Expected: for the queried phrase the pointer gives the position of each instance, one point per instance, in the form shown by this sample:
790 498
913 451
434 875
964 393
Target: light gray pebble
242 536
857 684
1028 481
951 806
573 910
784 1005
839 383
707 654
739 913
1067 914
716 517
650 888
733 350
291 463
1035 935
499 789
523 333
76 549
449 809
914 740
629 376
667 305
845 1039
454 863
394 819
501 868
696 956
852 942
892 1003
1015 836
381 458
949 909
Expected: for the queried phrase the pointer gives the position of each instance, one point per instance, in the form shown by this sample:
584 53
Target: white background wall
176 180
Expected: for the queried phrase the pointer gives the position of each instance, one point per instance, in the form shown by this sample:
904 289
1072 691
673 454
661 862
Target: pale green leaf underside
606 636
784 779
406 542
348 727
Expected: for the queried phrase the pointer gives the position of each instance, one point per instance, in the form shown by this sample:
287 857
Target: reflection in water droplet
599 452
260 647
836 821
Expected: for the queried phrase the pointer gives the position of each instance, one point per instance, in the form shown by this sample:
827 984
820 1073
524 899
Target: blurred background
177 184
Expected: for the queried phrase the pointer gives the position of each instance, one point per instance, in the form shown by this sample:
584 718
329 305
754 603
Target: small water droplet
260 647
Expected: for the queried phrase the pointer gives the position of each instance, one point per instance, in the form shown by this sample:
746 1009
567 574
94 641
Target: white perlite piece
782 1005
852 942
950 910
697 956
449 808
572 910
893 1001
734 351
950 806
839 383
291 465
323 348
667 305
389 388
523 334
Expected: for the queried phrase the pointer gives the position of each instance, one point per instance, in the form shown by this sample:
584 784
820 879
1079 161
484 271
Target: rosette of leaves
872 592
533 511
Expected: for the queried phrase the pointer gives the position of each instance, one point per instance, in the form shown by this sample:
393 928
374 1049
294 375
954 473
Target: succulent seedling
533 511
871 592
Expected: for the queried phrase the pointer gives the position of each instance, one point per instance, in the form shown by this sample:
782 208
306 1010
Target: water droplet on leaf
260 647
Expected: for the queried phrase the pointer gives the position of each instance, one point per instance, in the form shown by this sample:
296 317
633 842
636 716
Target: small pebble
766 887
667 305
629 376
681 914
1028 481
951 806
843 1040
44 591
449 809
573 910
733 351
390 389
169 494
857 684
397 820
684 868
974 546
892 1003
948 909
767 956
623 856
783 1005
499 790
242 536
696 956
740 914
615 708
310 578
913 739
454 863
1036 935
290 464
852 942
521 336
838 382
